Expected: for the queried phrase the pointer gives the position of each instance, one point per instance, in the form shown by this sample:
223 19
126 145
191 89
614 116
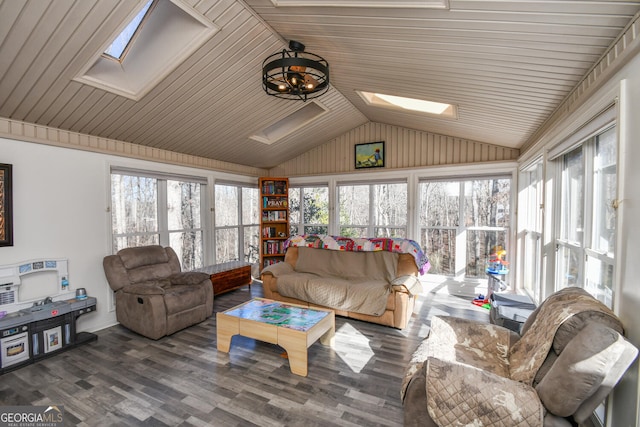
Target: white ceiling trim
420 4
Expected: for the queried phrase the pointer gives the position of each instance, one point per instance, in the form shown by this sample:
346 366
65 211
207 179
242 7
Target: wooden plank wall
405 148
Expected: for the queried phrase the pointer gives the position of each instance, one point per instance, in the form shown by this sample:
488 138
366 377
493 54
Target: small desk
228 276
293 327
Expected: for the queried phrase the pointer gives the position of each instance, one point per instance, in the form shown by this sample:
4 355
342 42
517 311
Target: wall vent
7 296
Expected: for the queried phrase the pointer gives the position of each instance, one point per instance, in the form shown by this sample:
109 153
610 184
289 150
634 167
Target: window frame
149 6
531 200
240 226
586 253
300 226
371 228
461 231
163 231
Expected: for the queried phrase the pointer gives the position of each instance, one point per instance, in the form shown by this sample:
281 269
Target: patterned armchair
153 297
569 357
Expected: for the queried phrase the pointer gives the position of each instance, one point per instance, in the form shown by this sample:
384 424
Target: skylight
119 45
438 109
291 123
167 33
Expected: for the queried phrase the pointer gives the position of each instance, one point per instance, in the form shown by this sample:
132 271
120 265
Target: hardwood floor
182 380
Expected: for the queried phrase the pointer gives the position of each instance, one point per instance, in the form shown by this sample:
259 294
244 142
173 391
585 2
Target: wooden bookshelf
274 219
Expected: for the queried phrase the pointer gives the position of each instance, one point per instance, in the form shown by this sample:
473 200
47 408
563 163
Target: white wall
59 212
60 200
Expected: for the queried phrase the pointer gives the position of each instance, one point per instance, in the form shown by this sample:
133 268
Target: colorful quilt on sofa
361 244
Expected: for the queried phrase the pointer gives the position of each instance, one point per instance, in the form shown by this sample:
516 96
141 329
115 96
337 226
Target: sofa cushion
580 369
359 296
462 395
149 272
145 255
377 266
483 346
279 269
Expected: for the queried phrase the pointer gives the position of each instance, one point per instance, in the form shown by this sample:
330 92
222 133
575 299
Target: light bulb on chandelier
295 74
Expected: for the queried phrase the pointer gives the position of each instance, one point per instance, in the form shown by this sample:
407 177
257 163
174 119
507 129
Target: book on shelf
272 247
274 215
274 202
274 219
274 187
268 232
270 261
280 187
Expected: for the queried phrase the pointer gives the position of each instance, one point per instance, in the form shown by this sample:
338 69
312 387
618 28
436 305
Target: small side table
228 276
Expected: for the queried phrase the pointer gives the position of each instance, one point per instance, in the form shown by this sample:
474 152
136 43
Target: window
373 210
439 222
120 45
570 243
463 222
150 46
585 242
149 208
423 106
237 223
531 197
309 210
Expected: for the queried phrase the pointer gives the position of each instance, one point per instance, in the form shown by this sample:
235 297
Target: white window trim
583 137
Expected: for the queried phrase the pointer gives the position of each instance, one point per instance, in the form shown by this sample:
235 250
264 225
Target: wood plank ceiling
506 65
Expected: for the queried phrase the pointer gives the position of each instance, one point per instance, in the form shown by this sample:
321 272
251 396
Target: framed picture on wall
6 206
370 155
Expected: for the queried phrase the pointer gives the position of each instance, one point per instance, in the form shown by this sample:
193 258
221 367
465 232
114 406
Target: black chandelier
295 74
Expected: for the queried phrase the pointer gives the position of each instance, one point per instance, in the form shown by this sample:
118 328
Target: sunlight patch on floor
358 351
470 288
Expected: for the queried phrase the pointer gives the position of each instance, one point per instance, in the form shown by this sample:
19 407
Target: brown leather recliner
153 297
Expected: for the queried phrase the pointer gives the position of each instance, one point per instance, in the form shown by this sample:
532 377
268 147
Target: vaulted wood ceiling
506 65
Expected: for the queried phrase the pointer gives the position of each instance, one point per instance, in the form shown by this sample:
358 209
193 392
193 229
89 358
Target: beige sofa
377 287
569 357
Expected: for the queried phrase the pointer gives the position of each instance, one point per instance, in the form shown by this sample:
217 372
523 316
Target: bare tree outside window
309 210
390 210
185 228
486 216
137 220
479 220
236 223
439 219
227 222
354 210
251 221
134 211
373 210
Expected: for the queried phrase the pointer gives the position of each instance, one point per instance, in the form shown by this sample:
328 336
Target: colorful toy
497 261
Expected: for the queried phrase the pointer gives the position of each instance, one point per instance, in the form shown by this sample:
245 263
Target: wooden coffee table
293 327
